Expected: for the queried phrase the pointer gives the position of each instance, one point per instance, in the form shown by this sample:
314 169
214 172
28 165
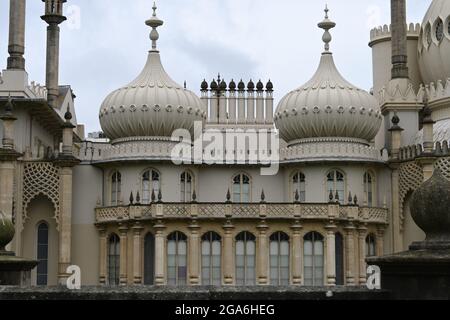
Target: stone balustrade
303 211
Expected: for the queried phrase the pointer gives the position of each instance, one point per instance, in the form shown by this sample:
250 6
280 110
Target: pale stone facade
126 214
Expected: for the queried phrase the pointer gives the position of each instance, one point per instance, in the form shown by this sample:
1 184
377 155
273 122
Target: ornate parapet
383 33
294 211
320 149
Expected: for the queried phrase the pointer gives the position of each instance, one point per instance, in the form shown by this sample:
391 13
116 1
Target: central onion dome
434 43
153 105
328 106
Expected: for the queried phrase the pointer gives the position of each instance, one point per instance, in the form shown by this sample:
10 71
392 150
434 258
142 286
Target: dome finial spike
154 22
326 25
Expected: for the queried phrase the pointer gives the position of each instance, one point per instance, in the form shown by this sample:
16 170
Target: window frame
42 261
369 186
314 268
184 196
210 238
297 185
279 238
116 188
242 176
246 237
178 237
335 173
371 245
146 195
113 245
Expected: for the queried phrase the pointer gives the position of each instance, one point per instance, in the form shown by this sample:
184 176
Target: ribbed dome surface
328 106
152 105
434 44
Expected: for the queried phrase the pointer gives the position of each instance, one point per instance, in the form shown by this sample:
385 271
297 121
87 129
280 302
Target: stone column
350 254
262 254
297 253
194 254
8 158
16 47
65 222
103 254
396 228
399 39
123 231
362 234
331 254
137 253
380 241
160 254
53 16
228 256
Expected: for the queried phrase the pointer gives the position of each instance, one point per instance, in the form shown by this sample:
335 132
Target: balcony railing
301 211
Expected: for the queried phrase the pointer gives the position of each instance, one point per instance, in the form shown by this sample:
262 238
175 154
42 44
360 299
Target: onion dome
429 209
241 85
214 86
153 105
259 86
232 85
328 105
269 86
223 85
251 86
204 85
434 43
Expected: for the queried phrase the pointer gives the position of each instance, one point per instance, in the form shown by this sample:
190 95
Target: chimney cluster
231 104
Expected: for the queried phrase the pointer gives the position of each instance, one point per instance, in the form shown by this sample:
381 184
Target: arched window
336 184
299 186
339 250
42 254
241 188
211 259
149 259
177 259
151 182
368 188
114 260
116 186
313 259
245 259
439 30
279 259
371 246
186 183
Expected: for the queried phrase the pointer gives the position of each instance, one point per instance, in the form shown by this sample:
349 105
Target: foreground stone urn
423 272
14 271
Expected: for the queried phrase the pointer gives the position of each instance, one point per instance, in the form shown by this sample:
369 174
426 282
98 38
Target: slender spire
326 25
399 40
154 22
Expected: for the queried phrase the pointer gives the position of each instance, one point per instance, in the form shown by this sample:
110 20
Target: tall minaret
399 40
16 47
53 16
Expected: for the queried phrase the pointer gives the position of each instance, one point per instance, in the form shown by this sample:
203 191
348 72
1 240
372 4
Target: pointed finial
159 196
131 198
138 198
185 84
330 196
355 200
154 22
263 196
194 196
154 8
350 198
153 195
297 196
228 196
326 25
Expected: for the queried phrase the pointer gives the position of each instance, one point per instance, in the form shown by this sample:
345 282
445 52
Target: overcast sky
104 43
